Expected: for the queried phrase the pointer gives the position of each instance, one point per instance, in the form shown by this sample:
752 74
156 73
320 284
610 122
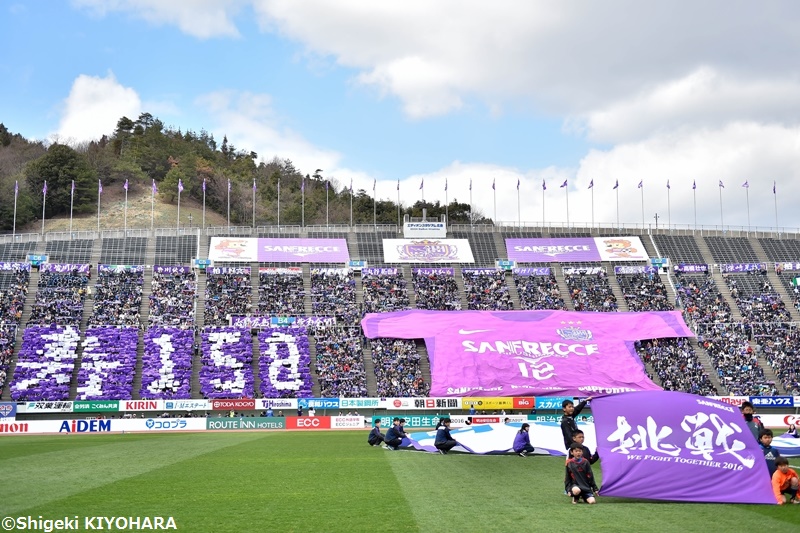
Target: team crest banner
576 249
427 251
530 353
692 451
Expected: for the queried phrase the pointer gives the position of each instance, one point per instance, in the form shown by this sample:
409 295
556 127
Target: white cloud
94 106
704 98
200 18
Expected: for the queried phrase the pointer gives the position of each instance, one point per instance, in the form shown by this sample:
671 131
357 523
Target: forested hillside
144 150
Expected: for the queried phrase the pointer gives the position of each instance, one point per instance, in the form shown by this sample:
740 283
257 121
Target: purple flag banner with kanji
694 450
538 353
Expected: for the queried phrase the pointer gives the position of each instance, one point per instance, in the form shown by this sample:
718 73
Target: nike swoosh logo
471 331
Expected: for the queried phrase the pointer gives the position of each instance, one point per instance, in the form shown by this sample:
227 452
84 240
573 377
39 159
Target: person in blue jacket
395 435
375 437
522 441
444 442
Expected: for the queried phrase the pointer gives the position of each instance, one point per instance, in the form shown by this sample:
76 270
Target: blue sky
452 90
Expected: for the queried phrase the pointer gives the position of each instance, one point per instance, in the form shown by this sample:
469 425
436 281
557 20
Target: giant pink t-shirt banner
541 353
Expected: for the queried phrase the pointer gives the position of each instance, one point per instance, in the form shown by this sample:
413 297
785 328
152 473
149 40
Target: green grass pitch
327 481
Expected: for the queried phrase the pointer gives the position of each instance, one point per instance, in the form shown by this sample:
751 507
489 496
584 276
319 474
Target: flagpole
99 193
721 216
519 212
254 203
399 222
747 194
125 223
494 194
303 206
446 209
204 204
279 206
694 194
592 203
178 226
544 188
71 203
327 219
617 189
471 219
16 193
775 197
374 205
669 209
229 207
44 201
153 206
351 201
642 191
566 192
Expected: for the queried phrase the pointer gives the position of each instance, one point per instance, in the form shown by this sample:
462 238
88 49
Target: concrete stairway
708 365
555 268
307 288
256 357
369 369
622 303
512 290
412 296
462 290
424 361
312 351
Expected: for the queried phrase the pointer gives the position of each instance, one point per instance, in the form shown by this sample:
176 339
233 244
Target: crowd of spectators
644 292
340 363
677 366
227 294
281 292
436 291
539 292
486 290
756 299
397 368
13 290
701 301
172 299
118 298
333 293
780 344
735 360
591 291
7 335
59 299
384 290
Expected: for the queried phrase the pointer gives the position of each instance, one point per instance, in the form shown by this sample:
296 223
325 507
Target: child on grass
579 482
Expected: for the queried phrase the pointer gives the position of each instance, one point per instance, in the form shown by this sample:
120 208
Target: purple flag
374 183
616 184
16 188
44 189
773 188
124 186
721 185
398 184
746 185
544 185
254 185
517 183
591 184
302 184
641 183
563 184
421 183
510 353
99 187
180 185
229 184
351 185
155 188
470 184
693 445
204 184
668 187
694 184
326 184
445 185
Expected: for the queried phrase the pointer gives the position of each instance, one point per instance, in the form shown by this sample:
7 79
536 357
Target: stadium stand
59 299
333 293
281 292
731 249
340 363
589 289
172 298
677 366
117 298
16 251
755 298
486 290
436 290
385 289
397 368
227 293
539 292
700 299
679 248
175 250
77 251
644 292
126 251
